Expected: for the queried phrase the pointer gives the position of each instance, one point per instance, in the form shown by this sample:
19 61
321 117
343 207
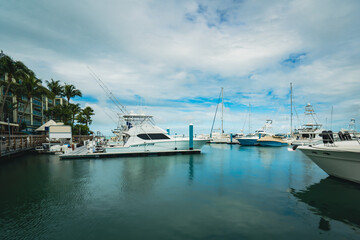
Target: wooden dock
81 153
17 144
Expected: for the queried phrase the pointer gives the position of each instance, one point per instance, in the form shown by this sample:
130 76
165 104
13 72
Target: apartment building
34 114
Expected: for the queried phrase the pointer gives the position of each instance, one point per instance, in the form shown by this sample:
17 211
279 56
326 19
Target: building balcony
36 102
37 113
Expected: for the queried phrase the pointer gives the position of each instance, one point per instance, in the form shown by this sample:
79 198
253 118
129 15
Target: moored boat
272 141
144 136
338 159
251 138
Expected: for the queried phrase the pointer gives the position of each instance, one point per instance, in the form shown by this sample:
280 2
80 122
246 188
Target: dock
14 145
81 153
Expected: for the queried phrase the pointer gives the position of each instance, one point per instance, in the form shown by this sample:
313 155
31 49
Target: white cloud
181 50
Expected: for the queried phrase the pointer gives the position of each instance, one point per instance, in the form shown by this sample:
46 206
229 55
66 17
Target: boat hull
341 164
220 140
306 142
156 146
272 144
248 142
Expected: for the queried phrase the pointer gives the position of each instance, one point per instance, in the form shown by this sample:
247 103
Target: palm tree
85 116
55 87
14 70
33 88
64 113
70 91
75 109
18 91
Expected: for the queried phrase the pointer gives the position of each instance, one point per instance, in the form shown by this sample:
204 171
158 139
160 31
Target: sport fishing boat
142 135
310 132
251 139
339 159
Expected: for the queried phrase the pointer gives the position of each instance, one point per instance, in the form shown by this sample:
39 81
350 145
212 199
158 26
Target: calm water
228 192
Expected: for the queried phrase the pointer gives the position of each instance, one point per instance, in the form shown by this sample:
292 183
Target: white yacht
142 135
339 159
310 132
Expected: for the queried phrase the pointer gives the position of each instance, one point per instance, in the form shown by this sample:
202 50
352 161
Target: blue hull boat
248 141
272 144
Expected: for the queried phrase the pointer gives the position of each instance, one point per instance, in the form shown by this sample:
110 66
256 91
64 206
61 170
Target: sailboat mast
222 111
249 117
291 113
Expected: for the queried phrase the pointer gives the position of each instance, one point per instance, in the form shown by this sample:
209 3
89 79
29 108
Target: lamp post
9 132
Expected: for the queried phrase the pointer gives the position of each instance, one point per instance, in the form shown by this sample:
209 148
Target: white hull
342 160
307 142
220 140
156 146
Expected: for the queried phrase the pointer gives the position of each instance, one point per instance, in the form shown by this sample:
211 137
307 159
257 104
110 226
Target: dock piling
191 137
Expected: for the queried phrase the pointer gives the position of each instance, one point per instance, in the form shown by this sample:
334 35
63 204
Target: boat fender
295 147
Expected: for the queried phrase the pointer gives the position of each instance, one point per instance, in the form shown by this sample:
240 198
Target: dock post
191 137
230 137
168 131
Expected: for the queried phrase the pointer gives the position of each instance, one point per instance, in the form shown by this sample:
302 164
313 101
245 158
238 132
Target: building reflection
332 199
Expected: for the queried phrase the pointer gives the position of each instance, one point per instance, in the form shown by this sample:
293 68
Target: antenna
108 93
331 119
291 113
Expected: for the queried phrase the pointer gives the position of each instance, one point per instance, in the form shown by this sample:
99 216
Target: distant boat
351 129
220 137
310 132
251 138
272 141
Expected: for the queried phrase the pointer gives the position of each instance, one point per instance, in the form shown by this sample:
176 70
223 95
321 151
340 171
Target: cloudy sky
170 58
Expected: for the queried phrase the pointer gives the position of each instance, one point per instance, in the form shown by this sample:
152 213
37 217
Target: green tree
59 113
85 116
70 92
55 87
18 91
75 109
32 88
81 129
14 70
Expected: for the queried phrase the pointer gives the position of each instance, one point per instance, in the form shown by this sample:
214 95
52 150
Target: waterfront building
34 114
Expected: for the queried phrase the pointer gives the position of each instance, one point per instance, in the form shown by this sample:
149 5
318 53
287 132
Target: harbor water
227 192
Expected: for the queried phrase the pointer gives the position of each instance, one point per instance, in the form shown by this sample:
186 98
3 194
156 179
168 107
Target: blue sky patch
86 98
294 59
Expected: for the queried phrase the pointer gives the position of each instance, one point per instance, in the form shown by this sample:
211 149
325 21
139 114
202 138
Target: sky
169 59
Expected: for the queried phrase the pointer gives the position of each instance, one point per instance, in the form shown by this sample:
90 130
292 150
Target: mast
249 117
331 119
222 111
291 113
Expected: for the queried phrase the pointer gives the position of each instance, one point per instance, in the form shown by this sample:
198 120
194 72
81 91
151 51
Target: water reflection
141 174
333 199
191 168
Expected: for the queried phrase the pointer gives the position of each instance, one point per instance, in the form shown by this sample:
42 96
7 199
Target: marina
276 192
179 120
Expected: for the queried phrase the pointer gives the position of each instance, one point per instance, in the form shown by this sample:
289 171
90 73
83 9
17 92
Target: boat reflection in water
334 199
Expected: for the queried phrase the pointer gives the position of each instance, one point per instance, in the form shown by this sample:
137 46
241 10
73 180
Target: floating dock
81 153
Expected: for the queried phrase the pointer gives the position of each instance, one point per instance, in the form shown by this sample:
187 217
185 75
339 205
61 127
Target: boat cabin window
152 136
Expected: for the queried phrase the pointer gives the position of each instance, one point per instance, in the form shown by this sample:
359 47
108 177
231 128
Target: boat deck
81 153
